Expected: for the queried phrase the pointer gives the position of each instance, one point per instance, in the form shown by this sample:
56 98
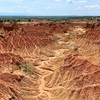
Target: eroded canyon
50 61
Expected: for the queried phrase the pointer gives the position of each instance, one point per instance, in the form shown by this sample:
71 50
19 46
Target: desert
47 60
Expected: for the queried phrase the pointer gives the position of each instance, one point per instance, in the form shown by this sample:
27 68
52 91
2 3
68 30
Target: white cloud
93 6
79 8
70 1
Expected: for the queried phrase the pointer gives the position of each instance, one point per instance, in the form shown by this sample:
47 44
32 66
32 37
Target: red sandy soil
50 61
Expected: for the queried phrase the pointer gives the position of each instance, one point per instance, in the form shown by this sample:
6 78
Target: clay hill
50 61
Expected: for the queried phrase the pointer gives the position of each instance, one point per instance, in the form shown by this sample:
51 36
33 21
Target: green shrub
27 68
55 38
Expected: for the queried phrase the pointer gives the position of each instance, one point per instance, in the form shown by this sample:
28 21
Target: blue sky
50 7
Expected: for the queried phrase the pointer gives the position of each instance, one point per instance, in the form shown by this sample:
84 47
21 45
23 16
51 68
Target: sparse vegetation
55 38
27 68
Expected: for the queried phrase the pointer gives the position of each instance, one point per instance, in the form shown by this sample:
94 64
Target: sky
50 7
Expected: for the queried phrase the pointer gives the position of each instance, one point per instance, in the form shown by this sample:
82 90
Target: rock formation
50 61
